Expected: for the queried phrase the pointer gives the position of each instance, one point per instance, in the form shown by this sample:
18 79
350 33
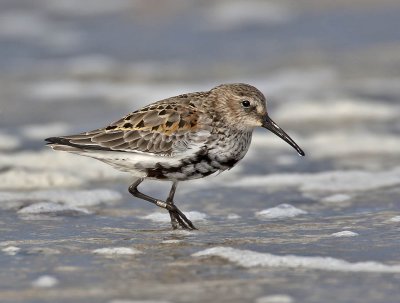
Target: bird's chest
230 147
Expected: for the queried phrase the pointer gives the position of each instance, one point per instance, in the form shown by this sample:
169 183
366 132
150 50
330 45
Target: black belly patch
162 172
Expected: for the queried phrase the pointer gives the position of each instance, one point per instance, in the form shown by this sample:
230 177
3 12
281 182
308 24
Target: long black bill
273 127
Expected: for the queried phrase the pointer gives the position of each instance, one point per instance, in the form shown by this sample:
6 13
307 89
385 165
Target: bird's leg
170 200
183 221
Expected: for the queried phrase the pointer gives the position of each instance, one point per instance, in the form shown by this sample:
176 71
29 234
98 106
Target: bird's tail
63 144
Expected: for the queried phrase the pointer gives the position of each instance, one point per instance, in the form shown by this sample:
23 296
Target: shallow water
277 227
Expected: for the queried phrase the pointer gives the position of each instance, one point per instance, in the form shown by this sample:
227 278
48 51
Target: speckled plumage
180 138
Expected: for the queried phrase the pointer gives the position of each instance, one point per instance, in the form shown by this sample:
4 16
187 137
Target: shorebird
181 138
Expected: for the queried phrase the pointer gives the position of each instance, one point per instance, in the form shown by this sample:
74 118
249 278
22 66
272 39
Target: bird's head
244 106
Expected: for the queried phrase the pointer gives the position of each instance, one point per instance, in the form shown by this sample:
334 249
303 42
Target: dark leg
183 221
170 200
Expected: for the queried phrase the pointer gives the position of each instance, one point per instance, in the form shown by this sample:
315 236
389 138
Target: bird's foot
178 218
174 220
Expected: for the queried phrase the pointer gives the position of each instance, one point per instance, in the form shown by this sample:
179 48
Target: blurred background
330 70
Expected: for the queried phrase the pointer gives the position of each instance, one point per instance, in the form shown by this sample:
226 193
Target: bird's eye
246 103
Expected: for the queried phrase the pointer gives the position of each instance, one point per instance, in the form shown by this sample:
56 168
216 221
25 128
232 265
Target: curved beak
273 127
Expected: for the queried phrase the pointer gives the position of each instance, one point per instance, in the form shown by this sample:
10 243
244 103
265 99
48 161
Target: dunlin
186 137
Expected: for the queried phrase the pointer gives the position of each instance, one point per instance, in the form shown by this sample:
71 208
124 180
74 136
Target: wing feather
167 128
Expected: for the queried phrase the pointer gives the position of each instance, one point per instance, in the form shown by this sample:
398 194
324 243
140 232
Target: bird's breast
230 148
